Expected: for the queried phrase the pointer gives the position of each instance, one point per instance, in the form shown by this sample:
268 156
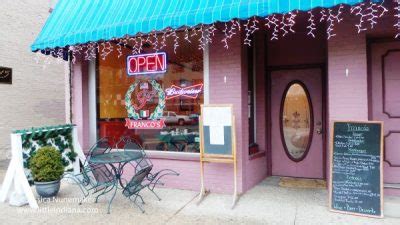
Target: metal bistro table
116 160
178 142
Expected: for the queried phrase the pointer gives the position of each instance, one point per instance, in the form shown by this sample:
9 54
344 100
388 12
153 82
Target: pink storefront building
289 68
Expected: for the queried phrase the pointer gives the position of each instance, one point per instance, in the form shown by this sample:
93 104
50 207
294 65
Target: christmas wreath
158 111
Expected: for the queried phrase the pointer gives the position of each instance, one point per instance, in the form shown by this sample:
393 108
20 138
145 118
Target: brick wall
227 82
36 97
347 94
80 99
218 177
228 85
256 168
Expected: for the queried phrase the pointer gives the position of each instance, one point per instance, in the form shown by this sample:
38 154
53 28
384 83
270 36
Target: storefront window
180 88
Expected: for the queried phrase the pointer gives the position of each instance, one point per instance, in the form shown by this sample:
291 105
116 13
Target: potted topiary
47 168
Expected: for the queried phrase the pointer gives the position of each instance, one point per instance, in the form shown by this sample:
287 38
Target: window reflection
296 121
182 108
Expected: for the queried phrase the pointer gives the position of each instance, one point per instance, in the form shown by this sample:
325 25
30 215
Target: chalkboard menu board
356 168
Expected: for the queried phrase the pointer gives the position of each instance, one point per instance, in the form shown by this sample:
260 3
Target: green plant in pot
47 169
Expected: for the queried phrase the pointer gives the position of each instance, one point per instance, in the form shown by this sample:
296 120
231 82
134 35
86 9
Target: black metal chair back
131 145
102 146
134 186
144 162
101 173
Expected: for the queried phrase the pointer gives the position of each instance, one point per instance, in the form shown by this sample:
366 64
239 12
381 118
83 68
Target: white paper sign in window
217 118
217 135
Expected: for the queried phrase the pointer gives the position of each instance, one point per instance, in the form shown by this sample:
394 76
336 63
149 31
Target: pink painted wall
283 52
219 177
228 64
294 50
383 60
391 173
297 49
348 96
256 166
80 99
189 178
261 91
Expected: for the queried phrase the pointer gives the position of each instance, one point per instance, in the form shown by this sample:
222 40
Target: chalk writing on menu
356 168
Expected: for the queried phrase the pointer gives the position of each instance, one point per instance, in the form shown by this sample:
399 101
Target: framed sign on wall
5 75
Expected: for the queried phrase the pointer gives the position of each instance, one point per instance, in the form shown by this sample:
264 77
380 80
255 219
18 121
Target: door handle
319 128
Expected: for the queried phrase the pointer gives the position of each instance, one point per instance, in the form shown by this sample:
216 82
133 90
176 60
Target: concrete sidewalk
267 203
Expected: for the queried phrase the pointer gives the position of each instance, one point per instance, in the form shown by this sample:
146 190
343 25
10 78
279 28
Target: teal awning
81 21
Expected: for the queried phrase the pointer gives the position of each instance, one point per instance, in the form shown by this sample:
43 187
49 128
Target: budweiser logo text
190 92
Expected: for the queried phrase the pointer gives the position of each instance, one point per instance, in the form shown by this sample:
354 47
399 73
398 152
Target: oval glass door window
296 121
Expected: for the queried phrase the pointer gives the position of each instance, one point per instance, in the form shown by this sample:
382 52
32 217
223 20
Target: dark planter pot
47 189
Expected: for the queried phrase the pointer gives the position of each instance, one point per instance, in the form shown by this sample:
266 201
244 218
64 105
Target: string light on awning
250 28
287 23
279 25
229 32
332 19
187 35
272 22
368 13
397 15
311 27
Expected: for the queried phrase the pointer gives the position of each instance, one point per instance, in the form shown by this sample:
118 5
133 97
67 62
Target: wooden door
297 123
385 102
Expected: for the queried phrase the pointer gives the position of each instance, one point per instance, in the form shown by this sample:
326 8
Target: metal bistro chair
153 177
135 185
95 177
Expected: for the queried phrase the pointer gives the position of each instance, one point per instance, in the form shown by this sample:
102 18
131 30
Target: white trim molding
92 102
206 74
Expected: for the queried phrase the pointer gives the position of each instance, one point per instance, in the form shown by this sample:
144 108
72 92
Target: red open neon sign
147 63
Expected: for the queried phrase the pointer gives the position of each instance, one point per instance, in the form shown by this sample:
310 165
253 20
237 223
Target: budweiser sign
190 92
147 63
144 124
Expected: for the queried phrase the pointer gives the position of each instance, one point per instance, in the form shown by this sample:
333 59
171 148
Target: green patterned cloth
59 137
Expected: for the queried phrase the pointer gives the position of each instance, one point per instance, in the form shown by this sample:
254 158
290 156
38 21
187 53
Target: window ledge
182 156
257 155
